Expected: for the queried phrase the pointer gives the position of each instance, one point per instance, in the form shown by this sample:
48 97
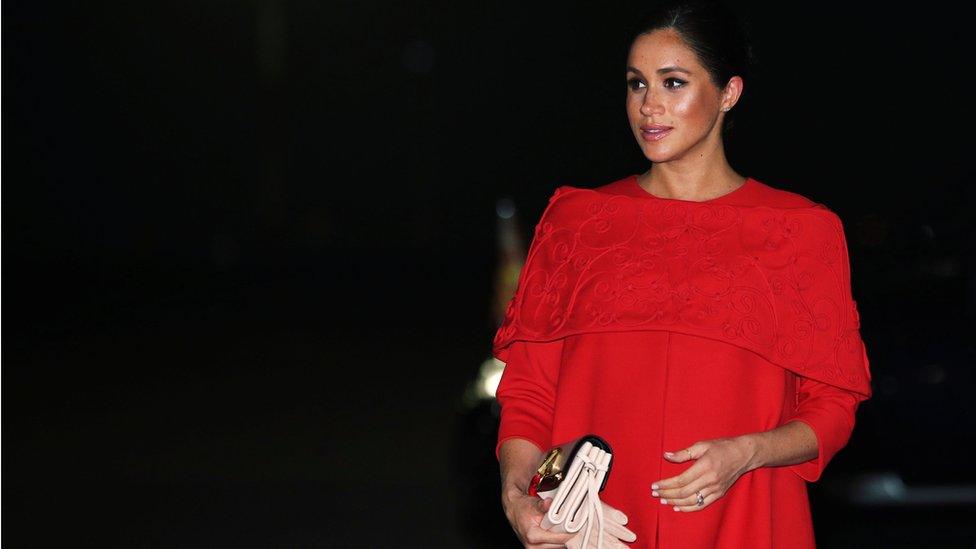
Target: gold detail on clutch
548 469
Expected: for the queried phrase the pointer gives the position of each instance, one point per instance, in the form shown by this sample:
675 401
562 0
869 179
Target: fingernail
654 486
669 454
676 508
664 501
654 493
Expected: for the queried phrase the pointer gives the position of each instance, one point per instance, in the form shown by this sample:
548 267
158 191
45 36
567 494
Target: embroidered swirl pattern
775 281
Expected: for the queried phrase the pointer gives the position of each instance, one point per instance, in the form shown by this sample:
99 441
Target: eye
678 83
633 82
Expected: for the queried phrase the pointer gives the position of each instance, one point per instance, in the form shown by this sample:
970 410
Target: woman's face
668 87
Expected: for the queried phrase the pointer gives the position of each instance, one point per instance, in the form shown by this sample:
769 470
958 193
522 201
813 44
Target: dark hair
719 38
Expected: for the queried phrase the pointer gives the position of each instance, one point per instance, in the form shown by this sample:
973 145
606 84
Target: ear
732 92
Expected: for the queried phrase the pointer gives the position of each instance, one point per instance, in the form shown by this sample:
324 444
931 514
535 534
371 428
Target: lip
655 132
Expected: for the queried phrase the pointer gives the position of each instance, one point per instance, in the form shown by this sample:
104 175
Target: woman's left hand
718 464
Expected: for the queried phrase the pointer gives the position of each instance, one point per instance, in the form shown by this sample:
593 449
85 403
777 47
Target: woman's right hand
524 513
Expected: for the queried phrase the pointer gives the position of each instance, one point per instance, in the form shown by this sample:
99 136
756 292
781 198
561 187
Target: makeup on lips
655 132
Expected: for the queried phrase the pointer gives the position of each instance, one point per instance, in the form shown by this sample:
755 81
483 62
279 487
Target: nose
650 105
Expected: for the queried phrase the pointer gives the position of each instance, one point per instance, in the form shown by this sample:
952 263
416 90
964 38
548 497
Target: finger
681 494
693 498
694 451
709 498
684 479
541 508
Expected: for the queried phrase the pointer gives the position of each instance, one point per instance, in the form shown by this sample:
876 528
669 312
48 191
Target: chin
656 152
657 155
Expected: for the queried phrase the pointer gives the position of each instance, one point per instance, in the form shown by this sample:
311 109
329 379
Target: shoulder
625 185
619 186
573 193
776 195
569 205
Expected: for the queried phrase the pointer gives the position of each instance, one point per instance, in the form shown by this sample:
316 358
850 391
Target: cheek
692 109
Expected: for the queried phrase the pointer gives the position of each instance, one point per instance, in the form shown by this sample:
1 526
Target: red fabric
656 323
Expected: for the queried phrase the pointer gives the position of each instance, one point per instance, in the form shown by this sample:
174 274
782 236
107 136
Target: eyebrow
662 70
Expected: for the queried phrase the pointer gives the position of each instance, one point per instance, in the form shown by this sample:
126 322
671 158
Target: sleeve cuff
810 470
523 431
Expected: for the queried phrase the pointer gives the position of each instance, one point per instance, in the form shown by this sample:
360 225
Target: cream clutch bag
573 474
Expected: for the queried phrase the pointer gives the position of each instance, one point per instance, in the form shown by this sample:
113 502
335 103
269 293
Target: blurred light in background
483 386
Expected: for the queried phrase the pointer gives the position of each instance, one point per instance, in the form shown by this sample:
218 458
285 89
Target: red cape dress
655 323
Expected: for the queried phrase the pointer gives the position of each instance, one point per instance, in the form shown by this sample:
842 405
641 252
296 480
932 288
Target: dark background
249 250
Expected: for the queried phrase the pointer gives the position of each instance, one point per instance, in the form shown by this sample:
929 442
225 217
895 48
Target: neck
700 175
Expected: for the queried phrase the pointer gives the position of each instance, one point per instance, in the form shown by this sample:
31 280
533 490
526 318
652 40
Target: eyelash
632 81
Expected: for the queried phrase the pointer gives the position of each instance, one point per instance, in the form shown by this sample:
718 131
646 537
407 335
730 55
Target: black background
249 248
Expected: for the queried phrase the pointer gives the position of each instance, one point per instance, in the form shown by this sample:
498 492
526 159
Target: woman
699 320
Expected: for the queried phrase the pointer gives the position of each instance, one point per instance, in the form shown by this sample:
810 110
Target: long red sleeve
829 411
527 392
